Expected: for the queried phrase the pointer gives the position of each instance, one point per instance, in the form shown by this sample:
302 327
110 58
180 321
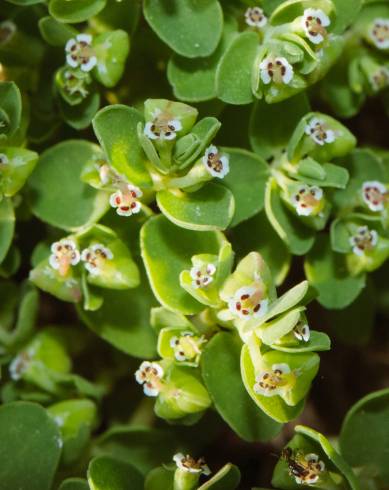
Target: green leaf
80 116
209 208
195 80
191 29
105 473
30 447
272 125
75 419
7 226
57 194
144 448
221 373
166 251
55 33
289 228
123 320
275 329
287 301
111 49
115 127
227 478
72 11
246 180
244 238
328 273
364 437
20 164
74 484
332 176
11 109
318 341
234 72
346 13
160 478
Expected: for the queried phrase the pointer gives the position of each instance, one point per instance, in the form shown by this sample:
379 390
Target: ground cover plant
194 234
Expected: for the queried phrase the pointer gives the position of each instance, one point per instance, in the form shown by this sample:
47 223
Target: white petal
315 39
177 458
283 367
211 269
124 212
136 190
375 183
205 469
173 341
288 75
53 261
194 271
76 259
179 357
211 149
317 192
158 368
70 44
303 211
71 62
150 390
168 137
374 237
176 123
358 251
84 38
263 309
265 77
135 209
330 136
113 197
147 131
89 65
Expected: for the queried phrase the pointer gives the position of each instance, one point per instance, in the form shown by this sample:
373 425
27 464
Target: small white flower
79 53
313 467
277 70
379 33
64 254
255 17
316 129
375 195
94 258
187 346
162 127
3 159
150 375
202 275
272 382
364 240
217 164
314 23
191 465
126 201
307 200
248 302
302 332
380 78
